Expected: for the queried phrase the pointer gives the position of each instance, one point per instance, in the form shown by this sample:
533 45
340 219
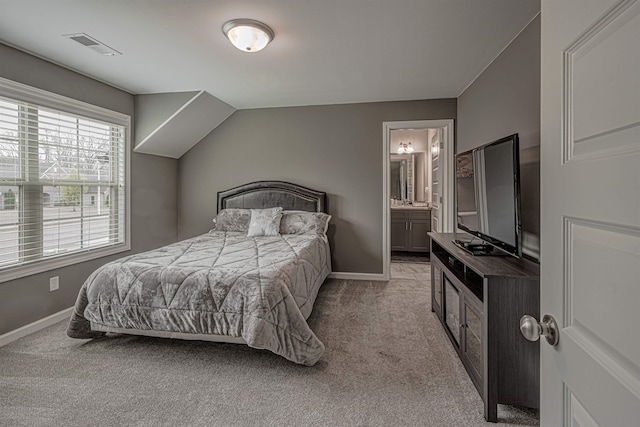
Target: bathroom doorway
418 155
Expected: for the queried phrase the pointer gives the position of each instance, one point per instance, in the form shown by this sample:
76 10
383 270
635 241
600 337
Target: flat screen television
488 197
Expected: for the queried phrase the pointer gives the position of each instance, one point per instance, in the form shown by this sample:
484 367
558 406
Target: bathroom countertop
411 207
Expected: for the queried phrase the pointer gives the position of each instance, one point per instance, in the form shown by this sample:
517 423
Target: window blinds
62 183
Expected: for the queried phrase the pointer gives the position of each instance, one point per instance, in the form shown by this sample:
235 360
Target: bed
231 284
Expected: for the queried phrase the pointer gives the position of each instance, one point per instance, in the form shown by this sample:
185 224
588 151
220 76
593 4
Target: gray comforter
261 289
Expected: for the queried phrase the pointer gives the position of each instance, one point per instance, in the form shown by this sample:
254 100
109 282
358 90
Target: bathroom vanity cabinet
409 229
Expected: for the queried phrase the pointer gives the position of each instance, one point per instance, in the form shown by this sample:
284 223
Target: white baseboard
11 336
358 276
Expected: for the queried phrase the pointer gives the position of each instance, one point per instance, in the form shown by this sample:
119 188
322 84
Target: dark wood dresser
479 300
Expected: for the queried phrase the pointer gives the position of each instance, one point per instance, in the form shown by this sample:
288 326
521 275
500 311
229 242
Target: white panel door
436 146
590 211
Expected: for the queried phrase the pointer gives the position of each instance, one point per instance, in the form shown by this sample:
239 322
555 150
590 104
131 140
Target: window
63 181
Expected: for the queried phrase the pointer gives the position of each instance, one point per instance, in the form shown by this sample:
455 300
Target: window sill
17 272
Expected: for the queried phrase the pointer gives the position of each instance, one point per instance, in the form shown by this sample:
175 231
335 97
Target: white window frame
21 92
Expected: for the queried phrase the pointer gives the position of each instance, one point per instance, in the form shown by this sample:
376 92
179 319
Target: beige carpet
388 363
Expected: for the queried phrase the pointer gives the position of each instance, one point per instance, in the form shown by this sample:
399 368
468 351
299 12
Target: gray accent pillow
265 222
232 219
301 222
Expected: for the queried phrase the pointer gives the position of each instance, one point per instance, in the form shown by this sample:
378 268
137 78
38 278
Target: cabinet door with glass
471 347
436 289
451 313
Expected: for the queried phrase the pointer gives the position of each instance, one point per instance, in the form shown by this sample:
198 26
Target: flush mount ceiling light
405 148
248 35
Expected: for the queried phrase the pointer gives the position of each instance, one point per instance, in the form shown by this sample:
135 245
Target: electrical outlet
54 284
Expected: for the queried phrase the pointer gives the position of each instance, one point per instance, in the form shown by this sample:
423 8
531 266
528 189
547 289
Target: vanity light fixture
405 148
248 35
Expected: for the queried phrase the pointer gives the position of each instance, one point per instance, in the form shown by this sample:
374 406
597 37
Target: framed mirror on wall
407 176
399 176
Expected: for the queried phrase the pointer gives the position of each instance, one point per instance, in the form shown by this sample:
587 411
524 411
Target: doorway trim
447 178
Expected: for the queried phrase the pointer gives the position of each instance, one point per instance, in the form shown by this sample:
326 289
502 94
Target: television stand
478 249
479 301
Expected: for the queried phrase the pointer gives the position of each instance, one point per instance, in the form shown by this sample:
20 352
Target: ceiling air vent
92 44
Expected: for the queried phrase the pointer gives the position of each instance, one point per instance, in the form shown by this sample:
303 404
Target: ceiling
324 51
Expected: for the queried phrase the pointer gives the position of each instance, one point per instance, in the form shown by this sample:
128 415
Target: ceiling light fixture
248 35
405 148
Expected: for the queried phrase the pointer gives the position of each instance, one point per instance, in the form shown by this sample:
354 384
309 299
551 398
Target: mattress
259 290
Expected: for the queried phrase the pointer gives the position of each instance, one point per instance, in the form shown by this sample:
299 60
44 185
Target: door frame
447 178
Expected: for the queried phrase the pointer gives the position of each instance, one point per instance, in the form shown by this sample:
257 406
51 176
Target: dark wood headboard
268 194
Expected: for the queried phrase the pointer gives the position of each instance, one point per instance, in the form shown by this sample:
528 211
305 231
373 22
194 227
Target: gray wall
503 100
153 198
332 148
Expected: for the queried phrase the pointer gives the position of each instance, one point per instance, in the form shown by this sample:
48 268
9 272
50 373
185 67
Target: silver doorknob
532 329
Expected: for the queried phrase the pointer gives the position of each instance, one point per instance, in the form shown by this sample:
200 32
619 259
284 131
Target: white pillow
265 222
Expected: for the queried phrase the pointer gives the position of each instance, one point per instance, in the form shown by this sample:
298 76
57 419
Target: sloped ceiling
169 124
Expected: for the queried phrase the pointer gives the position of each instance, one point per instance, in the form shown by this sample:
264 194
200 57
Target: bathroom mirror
399 177
408 176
